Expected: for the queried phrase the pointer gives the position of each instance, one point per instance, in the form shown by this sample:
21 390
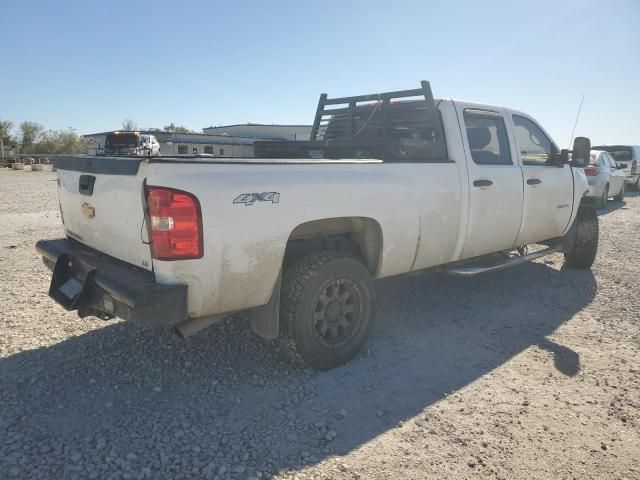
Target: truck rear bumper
96 284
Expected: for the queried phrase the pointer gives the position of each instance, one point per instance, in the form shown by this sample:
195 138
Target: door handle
533 181
482 183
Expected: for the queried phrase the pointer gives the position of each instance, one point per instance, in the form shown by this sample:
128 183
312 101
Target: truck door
548 189
495 182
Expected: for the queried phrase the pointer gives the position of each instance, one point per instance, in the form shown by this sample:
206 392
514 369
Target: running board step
469 271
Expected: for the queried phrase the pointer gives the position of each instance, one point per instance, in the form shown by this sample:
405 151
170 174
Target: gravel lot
528 373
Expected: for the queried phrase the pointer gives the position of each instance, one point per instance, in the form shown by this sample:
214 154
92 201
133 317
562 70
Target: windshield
619 153
121 140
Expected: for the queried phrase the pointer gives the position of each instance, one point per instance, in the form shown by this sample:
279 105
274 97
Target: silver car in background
629 156
606 178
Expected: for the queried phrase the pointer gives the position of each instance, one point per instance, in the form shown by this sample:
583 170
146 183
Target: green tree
30 132
129 125
173 128
5 132
71 142
6 138
60 141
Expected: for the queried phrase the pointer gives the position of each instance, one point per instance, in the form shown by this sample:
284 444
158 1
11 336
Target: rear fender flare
366 233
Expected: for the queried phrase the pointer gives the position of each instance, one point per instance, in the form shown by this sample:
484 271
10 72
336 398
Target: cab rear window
126 139
619 153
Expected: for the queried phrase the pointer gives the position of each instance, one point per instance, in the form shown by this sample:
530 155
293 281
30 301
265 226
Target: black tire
585 246
620 196
326 309
604 199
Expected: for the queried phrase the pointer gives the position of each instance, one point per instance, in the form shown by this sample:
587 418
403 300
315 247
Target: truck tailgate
101 201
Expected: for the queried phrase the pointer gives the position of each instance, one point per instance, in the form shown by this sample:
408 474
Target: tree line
130 125
31 137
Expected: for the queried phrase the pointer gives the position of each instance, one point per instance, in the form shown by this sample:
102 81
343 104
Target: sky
89 65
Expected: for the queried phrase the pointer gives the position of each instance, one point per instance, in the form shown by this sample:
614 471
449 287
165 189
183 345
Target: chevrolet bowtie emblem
88 211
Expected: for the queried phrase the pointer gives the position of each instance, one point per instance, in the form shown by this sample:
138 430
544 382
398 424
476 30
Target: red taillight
591 171
175 223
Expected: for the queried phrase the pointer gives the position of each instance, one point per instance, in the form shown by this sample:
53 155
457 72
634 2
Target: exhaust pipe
194 325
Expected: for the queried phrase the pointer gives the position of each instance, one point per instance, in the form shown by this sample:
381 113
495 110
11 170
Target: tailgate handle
85 185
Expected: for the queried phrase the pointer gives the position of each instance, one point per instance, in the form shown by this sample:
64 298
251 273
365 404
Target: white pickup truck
131 143
385 187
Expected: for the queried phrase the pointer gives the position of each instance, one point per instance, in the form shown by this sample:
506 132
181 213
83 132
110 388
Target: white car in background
606 179
627 156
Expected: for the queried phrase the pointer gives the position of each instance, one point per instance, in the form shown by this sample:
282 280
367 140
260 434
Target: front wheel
585 246
326 309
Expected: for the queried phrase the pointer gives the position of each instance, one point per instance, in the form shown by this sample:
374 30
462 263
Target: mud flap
67 290
265 320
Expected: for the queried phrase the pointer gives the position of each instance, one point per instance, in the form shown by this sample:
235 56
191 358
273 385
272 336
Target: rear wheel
620 196
604 199
326 309
585 245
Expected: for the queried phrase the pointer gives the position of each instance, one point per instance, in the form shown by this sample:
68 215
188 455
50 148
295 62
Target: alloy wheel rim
337 313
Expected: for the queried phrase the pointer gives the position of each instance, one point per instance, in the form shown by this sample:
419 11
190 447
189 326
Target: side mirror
561 158
581 152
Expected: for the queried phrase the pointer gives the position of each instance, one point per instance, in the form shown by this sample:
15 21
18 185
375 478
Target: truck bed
129 165
262 161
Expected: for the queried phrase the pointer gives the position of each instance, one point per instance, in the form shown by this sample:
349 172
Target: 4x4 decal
250 198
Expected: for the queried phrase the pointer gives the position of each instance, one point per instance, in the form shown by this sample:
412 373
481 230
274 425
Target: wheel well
586 210
358 236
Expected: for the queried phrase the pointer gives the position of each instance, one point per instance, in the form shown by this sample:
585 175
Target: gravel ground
527 373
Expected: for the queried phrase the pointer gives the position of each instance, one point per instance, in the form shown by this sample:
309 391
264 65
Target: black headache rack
400 126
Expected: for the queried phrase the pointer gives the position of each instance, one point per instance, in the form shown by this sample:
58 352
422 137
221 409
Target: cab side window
487 136
535 147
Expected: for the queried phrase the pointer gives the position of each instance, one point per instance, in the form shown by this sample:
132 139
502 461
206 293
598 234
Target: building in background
185 144
275 132
7 151
225 141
